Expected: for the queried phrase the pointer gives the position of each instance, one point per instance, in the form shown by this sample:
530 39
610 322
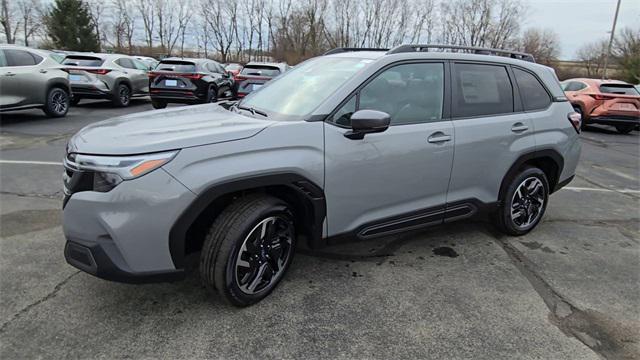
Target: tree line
291 30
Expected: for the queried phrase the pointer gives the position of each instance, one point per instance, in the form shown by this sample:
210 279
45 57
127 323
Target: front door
395 180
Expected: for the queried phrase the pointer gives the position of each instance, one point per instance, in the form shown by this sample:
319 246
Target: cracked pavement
568 290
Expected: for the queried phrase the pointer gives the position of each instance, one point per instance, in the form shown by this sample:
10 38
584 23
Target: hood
168 129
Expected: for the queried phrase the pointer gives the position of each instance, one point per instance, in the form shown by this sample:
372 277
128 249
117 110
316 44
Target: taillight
99 71
576 120
152 74
193 76
239 78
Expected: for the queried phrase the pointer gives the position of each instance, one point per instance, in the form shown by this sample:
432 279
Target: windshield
177 66
299 91
83 61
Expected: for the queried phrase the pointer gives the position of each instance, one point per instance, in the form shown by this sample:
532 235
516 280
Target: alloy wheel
527 202
263 255
124 94
59 102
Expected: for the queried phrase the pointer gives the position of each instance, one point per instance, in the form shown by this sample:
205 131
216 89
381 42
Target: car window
533 93
342 117
139 65
15 57
260 70
89 61
481 90
125 63
622 89
409 93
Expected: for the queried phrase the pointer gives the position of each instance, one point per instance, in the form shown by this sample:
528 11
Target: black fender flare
306 189
537 154
119 81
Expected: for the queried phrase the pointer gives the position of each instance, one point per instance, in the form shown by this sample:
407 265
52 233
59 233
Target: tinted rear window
15 57
260 70
177 66
618 89
533 94
481 90
82 61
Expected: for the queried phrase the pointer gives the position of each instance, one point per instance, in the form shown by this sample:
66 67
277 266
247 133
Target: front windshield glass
299 91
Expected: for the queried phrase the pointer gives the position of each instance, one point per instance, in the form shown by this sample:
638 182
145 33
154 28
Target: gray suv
106 76
31 78
350 145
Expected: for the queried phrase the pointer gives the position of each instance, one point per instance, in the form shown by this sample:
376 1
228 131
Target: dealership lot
570 289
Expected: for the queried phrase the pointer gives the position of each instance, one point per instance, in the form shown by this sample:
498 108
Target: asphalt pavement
568 290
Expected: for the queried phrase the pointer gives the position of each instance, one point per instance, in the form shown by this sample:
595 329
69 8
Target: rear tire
524 202
122 96
157 104
212 95
248 249
624 129
57 103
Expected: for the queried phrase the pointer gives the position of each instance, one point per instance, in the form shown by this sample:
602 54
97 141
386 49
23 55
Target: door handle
43 71
438 137
519 127
9 74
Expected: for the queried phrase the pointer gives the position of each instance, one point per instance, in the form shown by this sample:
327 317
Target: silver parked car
351 145
31 78
106 76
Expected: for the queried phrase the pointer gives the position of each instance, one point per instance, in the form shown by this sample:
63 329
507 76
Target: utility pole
613 32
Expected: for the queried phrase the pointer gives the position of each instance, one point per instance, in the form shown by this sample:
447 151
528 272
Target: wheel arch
303 195
53 83
548 160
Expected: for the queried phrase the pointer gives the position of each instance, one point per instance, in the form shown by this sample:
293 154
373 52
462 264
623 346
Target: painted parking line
625 191
23 162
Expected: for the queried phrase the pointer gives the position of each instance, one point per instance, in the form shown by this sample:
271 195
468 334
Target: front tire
248 249
75 100
524 202
57 104
624 129
212 95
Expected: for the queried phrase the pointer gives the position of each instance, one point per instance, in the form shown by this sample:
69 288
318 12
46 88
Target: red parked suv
607 102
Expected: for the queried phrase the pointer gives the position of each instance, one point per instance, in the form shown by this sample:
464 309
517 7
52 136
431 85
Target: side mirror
367 122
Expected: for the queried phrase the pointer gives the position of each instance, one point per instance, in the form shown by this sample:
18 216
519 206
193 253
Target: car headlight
109 171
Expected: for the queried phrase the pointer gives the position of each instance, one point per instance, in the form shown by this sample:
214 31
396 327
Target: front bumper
105 261
123 234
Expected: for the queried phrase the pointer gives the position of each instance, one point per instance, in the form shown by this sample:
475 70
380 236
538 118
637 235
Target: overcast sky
578 22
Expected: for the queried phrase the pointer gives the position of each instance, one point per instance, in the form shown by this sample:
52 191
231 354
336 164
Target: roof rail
349 49
467 49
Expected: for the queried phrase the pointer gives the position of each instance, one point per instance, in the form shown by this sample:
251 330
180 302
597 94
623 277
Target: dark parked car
254 75
188 81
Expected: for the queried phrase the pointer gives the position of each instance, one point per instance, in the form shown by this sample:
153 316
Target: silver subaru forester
350 145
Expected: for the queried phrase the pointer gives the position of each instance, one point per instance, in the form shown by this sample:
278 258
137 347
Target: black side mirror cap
367 122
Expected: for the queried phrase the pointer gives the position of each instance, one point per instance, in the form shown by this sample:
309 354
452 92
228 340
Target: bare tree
124 24
542 44
31 18
96 11
9 20
222 19
627 54
146 11
592 57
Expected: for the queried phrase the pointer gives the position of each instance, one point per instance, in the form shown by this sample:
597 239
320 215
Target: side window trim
511 81
541 83
446 98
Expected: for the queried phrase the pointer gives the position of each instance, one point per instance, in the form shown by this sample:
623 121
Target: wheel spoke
258 278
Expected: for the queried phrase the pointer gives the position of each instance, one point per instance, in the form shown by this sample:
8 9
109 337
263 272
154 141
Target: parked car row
54 80
605 102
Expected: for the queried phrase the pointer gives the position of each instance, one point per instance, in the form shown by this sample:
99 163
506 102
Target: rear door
491 130
394 180
21 82
138 77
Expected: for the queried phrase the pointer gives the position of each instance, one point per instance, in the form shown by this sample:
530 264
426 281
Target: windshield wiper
252 110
